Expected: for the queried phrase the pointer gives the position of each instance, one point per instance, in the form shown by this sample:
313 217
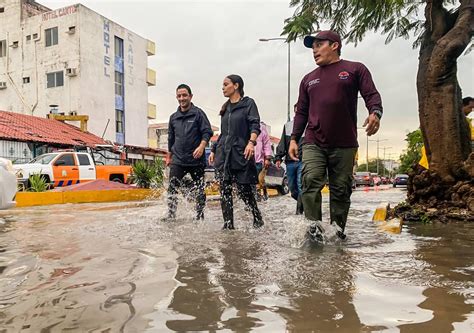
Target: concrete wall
90 51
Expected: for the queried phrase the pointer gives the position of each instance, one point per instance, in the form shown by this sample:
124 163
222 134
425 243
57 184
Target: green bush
38 183
148 175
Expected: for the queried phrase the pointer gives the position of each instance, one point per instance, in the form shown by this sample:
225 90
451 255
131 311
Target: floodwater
119 268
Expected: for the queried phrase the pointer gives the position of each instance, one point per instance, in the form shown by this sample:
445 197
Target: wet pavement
117 267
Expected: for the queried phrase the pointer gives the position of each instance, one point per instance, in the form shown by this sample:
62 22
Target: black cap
323 35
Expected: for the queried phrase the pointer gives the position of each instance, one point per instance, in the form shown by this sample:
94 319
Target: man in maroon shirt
327 108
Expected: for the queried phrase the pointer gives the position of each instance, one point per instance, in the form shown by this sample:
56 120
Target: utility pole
383 163
378 141
390 170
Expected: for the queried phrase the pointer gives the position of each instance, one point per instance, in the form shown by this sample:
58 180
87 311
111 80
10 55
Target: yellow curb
28 199
380 213
393 226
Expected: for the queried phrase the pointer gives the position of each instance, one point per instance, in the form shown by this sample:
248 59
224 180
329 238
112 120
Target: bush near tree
413 153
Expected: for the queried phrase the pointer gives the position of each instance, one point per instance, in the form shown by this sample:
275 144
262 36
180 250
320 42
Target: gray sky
200 42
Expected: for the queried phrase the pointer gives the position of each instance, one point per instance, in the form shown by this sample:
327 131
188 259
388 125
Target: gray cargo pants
320 164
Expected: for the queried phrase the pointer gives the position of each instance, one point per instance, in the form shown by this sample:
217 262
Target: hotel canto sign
59 12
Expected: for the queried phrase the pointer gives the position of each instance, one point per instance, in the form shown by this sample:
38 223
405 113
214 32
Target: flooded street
118 267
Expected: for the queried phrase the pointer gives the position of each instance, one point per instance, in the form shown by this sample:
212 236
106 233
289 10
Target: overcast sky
200 42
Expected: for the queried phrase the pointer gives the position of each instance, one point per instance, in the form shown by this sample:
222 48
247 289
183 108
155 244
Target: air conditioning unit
14 44
71 30
36 36
71 71
3 85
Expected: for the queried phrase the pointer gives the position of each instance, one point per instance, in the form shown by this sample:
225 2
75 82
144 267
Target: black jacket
237 123
186 130
284 145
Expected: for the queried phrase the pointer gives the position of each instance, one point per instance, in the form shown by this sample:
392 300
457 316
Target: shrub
38 183
148 175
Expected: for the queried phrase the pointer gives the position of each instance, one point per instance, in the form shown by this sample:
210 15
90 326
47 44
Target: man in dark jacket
327 109
293 168
189 132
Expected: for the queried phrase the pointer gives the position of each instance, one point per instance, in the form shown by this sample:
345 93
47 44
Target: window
2 9
26 79
83 159
68 160
28 38
55 79
119 121
51 36
118 47
3 48
118 84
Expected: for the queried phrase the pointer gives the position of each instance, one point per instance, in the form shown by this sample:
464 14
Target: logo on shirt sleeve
343 75
315 81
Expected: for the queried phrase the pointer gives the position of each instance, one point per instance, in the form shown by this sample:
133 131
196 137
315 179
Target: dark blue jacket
237 123
186 130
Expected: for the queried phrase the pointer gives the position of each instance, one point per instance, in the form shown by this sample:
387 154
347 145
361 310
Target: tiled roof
20 127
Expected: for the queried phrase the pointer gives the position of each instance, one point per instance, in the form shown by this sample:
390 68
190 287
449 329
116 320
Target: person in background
189 131
233 153
293 168
327 114
263 157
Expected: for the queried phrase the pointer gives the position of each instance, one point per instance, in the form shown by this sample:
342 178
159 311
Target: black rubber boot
229 225
258 223
315 232
299 206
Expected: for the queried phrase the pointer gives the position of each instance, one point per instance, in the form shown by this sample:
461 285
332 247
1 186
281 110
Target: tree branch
436 18
457 39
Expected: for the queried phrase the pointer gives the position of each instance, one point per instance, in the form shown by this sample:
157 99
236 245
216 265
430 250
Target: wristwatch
378 113
253 142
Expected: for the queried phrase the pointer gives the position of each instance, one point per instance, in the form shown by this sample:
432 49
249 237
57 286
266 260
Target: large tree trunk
445 130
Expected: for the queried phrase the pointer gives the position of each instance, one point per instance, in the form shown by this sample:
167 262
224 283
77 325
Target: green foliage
425 219
373 167
148 175
352 19
38 183
413 153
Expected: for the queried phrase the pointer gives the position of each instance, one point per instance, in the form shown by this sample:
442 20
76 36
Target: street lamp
383 163
281 38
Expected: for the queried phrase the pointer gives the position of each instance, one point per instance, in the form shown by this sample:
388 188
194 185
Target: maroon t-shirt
327 104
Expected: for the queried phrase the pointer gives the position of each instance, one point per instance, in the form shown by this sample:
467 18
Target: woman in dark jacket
233 153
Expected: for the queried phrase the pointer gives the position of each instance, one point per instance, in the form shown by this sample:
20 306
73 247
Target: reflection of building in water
74 61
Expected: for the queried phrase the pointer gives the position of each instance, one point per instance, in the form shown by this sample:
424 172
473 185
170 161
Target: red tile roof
20 127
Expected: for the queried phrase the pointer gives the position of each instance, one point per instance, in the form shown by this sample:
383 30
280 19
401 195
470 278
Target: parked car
363 178
275 177
400 179
7 184
69 168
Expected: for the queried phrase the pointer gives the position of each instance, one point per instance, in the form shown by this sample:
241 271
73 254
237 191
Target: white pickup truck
69 168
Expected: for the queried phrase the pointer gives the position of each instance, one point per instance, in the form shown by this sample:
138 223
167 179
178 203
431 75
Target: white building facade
74 61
